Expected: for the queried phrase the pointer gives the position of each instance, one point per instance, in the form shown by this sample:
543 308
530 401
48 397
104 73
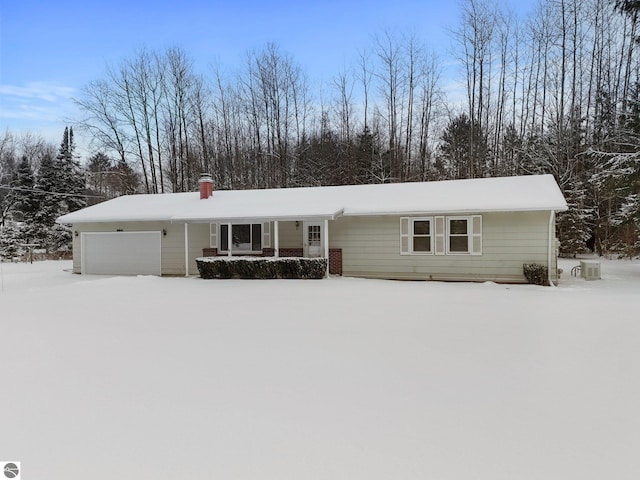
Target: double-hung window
464 235
440 235
416 235
421 235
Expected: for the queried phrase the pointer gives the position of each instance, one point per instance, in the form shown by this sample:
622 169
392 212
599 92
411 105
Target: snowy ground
165 378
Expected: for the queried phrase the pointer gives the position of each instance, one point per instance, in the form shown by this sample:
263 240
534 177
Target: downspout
186 249
552 232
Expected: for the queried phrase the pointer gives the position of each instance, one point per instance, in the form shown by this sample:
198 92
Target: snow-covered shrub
12 237
261 267
536 274
250 268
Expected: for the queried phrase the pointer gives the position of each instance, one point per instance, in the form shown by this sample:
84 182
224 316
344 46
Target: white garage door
121 253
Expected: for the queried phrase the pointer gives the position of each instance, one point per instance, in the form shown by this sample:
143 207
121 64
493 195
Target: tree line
557 92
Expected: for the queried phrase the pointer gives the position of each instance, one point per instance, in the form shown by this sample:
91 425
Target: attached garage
121 253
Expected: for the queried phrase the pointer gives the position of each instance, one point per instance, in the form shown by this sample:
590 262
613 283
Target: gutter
259 218
465 211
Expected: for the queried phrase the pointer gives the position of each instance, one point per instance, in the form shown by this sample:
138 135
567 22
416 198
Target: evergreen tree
27 201
12 237
366 151
51 202
573 225
464 148
61 185
70 179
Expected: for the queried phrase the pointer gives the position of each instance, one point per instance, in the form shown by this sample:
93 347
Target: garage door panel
121 253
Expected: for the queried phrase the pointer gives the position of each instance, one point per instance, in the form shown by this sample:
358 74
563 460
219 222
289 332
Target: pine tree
464 148
61 183
12 237
574 224
27 201
70 179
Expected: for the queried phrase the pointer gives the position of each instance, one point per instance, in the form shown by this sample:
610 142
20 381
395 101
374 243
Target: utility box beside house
590 269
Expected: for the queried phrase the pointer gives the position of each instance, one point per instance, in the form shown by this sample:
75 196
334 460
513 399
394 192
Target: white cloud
38 91
38 107
35 105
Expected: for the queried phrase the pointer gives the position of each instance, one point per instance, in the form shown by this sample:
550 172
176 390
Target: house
462 230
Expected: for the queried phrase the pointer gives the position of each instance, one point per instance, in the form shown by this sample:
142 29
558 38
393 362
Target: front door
313 239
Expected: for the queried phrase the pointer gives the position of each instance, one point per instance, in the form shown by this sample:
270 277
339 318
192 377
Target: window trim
440 234
218 237
470 235
409 235
412 235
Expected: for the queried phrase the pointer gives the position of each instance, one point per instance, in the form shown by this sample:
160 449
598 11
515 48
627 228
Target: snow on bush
536 274
262 267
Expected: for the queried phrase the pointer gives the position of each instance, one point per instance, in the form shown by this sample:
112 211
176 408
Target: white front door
313 239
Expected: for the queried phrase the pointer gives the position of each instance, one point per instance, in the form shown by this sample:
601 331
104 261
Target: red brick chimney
206 186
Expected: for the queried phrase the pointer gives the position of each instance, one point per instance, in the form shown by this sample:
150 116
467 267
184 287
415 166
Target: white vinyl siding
290 235
172 244
371 247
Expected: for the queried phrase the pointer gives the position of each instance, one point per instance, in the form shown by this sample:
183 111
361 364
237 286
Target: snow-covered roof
500 194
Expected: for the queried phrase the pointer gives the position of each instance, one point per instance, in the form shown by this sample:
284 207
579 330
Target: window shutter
213 227
476 235
439 235
405 236
266 235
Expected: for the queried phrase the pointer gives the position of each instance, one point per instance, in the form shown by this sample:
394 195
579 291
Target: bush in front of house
536 274
261 267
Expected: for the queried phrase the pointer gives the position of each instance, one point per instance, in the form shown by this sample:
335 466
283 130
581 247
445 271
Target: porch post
326 245
276 239
186 249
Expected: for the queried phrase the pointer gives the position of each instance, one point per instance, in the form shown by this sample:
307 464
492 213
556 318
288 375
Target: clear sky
51 49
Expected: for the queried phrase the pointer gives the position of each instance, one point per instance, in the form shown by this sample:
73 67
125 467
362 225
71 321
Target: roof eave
262 218
456 211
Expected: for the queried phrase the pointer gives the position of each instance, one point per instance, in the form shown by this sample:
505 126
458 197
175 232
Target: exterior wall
290 236
172 243
371 248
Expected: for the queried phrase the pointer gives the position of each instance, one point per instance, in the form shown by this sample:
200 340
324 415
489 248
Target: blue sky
50 50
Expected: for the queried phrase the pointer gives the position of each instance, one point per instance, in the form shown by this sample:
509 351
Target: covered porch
267 237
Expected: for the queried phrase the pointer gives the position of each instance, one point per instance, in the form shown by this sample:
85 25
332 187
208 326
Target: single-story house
461 230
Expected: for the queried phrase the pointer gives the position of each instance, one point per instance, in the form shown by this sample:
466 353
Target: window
458 235
421 235
416 236
440 235
464 235
245 237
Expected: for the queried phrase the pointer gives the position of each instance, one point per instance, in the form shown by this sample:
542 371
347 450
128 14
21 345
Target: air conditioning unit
590 269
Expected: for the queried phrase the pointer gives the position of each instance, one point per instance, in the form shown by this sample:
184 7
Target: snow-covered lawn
167 378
